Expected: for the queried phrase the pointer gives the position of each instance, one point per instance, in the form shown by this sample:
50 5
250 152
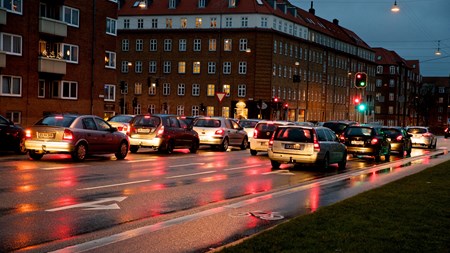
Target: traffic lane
218 226
158 200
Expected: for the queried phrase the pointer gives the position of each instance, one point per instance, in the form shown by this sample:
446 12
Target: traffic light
360 80
356 101
275 99
122 85
286 106
361 107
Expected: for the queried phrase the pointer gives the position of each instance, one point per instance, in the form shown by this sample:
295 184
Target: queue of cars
284 141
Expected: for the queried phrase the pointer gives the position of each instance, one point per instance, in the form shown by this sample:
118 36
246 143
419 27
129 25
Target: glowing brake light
374 141
316 144
399 138
160 131
67 135
255 133
271 140
219 132
426 135
28 133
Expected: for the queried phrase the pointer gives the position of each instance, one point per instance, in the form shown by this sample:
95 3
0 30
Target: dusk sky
414 32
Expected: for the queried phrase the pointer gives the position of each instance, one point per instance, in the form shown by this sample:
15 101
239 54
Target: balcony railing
53 27
2 59
2 17
52 65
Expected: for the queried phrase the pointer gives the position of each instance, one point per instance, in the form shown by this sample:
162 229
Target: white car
306 145
421 136
262 133
220 132
249 127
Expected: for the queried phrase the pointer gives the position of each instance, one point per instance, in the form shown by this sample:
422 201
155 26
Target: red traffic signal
286 105
356 101
275 99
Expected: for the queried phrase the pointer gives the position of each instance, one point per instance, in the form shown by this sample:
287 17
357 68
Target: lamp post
297 79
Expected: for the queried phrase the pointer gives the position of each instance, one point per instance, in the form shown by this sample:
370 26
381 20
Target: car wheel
35 156
275 165
326 162
224 145
21 148
387 156
253 152
79 154
170 147
402 152
378 156
193 149
123 151
343 162
244 144
134 149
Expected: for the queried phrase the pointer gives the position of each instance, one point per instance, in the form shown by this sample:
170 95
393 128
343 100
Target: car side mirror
113 129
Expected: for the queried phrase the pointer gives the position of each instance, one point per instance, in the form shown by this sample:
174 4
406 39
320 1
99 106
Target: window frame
12 83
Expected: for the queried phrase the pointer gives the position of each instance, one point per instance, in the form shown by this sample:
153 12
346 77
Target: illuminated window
198 22
181 67
183 23
212 45
168 23
211 90
196 67
227 44
227 89
213 23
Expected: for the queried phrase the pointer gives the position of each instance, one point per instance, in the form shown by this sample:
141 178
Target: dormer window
232 3
201 3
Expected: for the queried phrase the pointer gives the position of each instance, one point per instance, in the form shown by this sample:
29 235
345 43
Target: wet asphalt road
170 203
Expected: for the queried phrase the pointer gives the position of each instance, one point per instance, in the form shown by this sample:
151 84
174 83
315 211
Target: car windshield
358 131
207 123
58 120
121 118
294 134
147 121
265 127
417 130
391 132
248 123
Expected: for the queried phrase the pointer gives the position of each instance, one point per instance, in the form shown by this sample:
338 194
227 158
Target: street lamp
395 7
297 79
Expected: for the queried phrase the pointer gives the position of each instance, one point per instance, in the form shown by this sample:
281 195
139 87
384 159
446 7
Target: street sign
220 95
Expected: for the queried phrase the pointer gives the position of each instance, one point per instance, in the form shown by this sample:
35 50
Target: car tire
253 152
275 165
134 149
21 148
326 162
224 145
170 147
378 156
244 144
343 162
80 152
123 151
35 156
194 147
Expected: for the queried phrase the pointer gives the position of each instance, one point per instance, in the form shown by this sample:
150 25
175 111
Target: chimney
311 10
336 21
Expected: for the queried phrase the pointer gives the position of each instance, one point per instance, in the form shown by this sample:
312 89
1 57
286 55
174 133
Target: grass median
408 215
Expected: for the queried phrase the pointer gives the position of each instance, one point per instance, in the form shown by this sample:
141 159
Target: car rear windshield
336 127
359 131
391 132
266 127
147 121
248 123
417 130
63 121
294 134
121 118
207 123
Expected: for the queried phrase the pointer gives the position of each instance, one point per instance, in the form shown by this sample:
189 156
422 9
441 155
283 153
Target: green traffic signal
361 107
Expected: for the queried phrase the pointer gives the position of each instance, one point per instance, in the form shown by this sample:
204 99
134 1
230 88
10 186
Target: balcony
2 59
52 65
53 27
2 17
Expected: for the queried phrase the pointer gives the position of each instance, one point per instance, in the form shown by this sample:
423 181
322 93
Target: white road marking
193 174
142 160
188 164
63 167
244 167
93 205
113 185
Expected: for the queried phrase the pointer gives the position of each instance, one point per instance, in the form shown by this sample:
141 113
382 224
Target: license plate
46 135
357 142
143 130
294 146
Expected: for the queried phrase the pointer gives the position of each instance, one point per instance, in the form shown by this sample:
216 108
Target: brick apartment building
57 56
397 86
434 109
174 56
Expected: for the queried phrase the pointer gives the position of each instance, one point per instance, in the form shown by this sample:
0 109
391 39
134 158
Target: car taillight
316 144
426 135
255 133
399 138
219 132
28 133
342 138
374 141
67 135
271 141
160 132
